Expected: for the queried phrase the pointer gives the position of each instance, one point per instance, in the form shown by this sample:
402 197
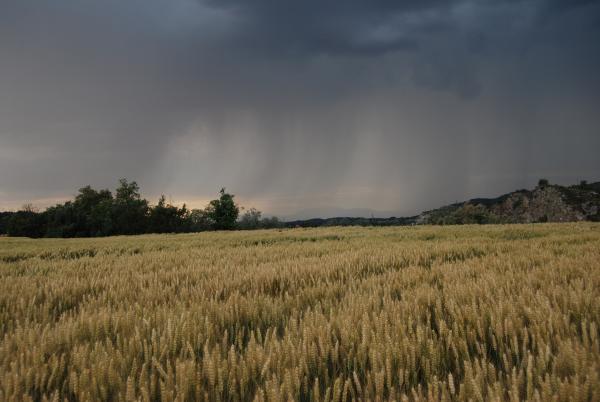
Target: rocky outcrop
541 205
545 203
548 203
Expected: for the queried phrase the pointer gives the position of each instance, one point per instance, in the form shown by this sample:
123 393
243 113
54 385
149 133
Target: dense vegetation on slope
416 313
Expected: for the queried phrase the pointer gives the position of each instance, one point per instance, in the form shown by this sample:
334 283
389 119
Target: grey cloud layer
391 105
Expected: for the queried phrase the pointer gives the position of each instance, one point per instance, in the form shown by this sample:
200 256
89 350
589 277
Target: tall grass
503 313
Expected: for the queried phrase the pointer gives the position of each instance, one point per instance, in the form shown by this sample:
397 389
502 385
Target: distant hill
352 221
545 203
328 211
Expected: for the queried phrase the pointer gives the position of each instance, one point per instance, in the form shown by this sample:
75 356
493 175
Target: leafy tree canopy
223 212
99 213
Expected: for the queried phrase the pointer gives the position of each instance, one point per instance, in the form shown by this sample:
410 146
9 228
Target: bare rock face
540 205
590 209
548 204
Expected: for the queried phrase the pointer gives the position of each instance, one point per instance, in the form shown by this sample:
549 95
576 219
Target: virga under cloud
390 105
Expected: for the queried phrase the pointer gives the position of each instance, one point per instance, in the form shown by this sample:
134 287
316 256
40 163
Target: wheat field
465 313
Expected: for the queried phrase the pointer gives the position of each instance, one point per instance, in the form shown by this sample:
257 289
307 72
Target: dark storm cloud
390 105
334 27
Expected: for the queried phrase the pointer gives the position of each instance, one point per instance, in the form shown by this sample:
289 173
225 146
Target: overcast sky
310 107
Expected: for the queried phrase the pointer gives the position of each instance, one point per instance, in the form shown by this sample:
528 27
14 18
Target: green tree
88 215
93 208
4 218
199 221
167 218
250 219
27 222
223 212
129 210
469 214
62 221
270 223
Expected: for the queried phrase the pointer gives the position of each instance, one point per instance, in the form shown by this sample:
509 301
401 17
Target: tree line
101 213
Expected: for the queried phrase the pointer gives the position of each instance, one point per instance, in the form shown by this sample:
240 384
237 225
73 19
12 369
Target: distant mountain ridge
545 203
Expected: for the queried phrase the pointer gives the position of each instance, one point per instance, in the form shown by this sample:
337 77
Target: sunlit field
337 314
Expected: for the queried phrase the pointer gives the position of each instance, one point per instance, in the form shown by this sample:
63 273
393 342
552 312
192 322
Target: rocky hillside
545 203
